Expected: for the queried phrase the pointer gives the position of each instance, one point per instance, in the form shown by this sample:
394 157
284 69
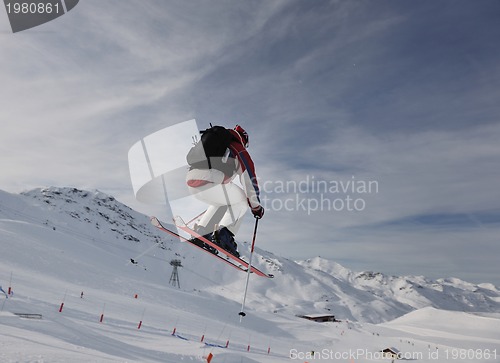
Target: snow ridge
407 293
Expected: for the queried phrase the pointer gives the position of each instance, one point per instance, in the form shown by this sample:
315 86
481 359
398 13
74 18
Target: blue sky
398 92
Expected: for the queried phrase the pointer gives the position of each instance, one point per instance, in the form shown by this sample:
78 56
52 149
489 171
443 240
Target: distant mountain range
300 287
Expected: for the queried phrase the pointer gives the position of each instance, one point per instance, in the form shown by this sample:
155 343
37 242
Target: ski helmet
243 134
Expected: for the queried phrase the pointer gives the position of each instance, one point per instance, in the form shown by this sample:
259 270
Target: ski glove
258 212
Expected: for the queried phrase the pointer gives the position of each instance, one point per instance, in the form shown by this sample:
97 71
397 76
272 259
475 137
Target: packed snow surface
89 281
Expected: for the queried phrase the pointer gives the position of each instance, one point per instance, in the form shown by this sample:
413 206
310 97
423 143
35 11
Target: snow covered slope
56 243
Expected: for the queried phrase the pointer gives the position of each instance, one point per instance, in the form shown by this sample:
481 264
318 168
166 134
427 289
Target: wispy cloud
401 93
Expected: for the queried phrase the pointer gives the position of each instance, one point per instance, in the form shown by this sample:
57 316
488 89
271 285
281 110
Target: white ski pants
217 194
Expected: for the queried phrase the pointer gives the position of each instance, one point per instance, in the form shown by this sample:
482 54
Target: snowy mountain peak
95 210
327 266
57 196
374 296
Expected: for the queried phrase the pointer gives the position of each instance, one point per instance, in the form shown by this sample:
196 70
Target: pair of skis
230 259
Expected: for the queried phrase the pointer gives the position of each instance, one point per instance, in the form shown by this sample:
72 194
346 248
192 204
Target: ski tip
241 313
155 222
178 221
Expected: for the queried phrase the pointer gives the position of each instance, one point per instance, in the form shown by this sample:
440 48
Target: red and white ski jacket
246 170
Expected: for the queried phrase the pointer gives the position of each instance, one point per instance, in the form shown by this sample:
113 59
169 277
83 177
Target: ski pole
242 312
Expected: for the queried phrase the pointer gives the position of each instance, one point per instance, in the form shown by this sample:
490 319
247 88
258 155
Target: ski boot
203 245
225 239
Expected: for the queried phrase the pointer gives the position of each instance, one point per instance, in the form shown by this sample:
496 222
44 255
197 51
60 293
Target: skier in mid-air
215 161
